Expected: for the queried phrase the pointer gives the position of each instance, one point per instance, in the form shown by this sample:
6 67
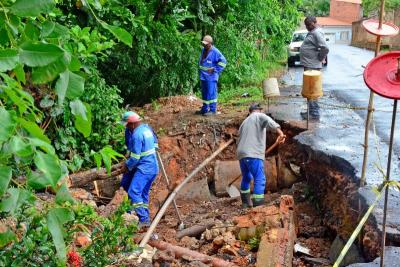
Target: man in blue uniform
211 64
141 166
251 154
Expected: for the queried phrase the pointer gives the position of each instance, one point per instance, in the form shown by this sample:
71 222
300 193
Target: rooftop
329 21
351 1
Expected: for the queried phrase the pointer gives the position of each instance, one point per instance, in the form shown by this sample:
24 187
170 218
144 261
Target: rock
190 242
82 239
229 238
286 177
195 191
215 232
207 235
218 241
80 194
229 251
164 256
295 169
352 256
130 218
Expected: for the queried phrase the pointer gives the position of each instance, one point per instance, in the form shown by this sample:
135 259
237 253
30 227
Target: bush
106 111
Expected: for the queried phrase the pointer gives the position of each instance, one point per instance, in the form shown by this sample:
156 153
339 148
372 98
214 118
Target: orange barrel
271 87
312 84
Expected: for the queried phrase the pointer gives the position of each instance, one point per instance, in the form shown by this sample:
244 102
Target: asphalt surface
343 79
339 135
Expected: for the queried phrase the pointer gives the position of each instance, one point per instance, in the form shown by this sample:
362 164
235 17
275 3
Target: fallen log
83 178
195 230
187 253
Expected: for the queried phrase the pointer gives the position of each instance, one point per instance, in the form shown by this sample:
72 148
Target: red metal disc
380 75
388 29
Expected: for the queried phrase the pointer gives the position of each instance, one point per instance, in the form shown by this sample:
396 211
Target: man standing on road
251 154
141 166
313 53
211 64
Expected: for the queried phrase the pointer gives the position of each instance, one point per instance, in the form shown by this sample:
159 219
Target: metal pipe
167 180
176 190
387 180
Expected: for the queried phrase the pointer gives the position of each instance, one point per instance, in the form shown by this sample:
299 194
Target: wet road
343 78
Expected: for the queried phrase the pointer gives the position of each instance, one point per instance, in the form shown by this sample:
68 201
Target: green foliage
42 233
106 155
110 238
316 8
371 7
254 243
105 111
44 63
166 37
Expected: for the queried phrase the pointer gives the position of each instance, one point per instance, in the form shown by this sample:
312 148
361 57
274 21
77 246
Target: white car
294 48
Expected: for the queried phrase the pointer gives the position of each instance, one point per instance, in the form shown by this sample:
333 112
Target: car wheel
291 62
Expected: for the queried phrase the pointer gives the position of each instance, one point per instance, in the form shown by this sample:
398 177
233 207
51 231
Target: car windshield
299 37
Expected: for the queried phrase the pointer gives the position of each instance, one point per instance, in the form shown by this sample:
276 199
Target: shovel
232 189
181 224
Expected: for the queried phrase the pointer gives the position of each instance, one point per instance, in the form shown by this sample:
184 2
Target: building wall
361 38
339 34
344 11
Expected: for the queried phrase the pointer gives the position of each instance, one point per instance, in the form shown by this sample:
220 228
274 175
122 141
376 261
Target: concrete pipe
225 173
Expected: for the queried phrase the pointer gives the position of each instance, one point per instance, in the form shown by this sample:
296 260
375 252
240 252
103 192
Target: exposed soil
186 140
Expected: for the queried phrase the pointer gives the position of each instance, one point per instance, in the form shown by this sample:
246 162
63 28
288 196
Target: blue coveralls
209 90
143 168
253 168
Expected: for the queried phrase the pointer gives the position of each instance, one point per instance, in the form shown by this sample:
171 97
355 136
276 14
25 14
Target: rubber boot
246 200
258 202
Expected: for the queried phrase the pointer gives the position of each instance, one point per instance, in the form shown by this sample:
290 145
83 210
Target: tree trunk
159 10
81 179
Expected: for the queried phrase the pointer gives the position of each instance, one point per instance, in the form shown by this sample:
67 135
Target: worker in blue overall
211 64
141 166
251 150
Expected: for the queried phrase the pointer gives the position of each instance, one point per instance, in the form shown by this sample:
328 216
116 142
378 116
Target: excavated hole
324 193
321 211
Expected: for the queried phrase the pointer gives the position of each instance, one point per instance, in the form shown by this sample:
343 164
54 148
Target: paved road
343 78
340 133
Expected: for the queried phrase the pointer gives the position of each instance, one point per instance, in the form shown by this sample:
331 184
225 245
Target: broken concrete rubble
195 191
277 244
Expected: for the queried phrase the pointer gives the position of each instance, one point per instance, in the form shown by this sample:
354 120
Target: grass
236 96
250 89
